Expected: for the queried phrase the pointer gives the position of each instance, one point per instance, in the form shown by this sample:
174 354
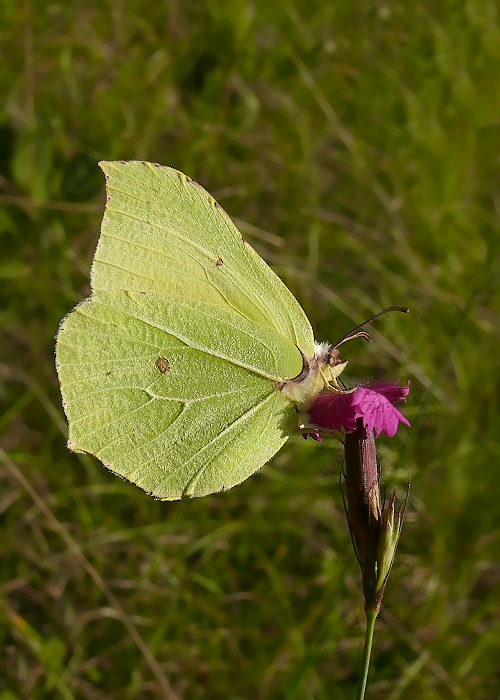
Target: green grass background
356 144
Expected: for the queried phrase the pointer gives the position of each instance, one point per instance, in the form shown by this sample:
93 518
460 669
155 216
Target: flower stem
371 616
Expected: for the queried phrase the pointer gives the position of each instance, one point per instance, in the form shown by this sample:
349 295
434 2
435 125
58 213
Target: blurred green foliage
357 147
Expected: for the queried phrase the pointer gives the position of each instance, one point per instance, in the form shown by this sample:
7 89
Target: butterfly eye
333 357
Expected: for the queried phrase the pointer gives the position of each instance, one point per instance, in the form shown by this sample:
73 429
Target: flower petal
377 412
372 404
392 391
333 411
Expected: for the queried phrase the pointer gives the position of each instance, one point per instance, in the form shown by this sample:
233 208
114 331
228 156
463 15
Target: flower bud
374 528
390 531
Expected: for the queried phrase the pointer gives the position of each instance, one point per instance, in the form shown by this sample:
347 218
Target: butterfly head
329 365
318 373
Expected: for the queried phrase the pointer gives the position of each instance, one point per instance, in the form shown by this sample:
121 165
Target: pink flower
374 405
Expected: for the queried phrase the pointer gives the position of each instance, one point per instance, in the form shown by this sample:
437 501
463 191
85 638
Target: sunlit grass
357 146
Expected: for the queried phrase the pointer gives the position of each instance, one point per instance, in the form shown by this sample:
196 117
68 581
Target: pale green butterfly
189 366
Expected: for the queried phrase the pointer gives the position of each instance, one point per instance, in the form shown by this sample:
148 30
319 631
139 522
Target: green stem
371 616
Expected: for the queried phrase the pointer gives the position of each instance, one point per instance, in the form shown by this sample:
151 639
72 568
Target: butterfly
188 367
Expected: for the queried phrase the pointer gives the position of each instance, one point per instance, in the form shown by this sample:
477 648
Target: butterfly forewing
163 233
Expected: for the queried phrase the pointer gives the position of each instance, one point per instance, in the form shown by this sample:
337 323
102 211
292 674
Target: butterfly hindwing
170 394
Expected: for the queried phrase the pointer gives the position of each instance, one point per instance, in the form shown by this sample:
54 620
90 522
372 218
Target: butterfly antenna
362 334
